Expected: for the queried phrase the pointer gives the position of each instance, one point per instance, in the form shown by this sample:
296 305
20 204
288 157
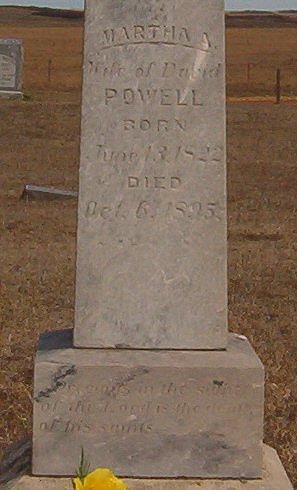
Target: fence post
278 86
249 72
49 71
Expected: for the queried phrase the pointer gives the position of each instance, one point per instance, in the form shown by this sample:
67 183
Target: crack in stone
57 382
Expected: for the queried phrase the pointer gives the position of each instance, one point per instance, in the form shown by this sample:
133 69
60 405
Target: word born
163 97
148 210
160 125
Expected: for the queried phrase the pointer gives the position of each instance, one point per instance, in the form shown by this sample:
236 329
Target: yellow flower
100 479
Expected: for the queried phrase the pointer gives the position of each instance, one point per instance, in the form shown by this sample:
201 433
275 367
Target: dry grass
262 184
39 145
253 56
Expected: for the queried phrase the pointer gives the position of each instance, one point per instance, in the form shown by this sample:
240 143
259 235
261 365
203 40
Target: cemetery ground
39 145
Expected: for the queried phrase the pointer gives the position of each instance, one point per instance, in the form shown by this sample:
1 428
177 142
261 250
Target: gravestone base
11 94
274 478
148 414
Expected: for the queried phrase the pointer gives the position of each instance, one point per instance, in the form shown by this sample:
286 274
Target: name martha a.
151 33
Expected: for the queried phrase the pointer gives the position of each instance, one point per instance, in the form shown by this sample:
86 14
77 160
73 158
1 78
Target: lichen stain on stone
58 382
134 373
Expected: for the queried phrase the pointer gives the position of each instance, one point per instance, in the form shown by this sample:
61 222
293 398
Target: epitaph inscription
7 71
118 413
150 414
151 268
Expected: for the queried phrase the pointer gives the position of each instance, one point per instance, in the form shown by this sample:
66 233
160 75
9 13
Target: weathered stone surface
11 67
146 413
274 477
151 269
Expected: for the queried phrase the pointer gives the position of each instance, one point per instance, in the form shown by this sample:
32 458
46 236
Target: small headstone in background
11 68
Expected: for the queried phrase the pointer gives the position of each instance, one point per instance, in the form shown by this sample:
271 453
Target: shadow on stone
16 460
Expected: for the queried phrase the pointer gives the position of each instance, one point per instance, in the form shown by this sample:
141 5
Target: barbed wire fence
255 78
263 79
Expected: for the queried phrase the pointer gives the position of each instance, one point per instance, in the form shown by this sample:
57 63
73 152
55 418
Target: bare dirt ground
39 145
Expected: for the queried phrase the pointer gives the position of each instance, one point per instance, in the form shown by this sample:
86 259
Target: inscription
153 123
128 409
58 425
126 429
85 394
162 153
106 154
7 71
150 33
147 209
123 390
154 182
96 409
69 426
159 125
160 70
162 97
191 72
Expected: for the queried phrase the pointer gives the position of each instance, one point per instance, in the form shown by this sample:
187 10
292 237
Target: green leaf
84 467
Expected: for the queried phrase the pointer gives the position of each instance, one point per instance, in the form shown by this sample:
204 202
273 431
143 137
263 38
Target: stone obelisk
151 384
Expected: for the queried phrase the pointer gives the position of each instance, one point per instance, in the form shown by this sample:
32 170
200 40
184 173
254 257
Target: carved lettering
151 33
111 408
105 154
165 69
162 97
91 209
145 70
209 154
154 182
59 425
110 93
126 429
171 69
159 125
146 209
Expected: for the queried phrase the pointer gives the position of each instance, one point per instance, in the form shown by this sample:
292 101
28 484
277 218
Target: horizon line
82 10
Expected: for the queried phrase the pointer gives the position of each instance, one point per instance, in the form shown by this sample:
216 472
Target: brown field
39 145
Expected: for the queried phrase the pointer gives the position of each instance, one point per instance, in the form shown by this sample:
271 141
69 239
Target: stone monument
150 383
151 270
11 68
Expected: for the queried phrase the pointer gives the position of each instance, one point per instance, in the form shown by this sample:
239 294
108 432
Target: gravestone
151 270
11 68
149 383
